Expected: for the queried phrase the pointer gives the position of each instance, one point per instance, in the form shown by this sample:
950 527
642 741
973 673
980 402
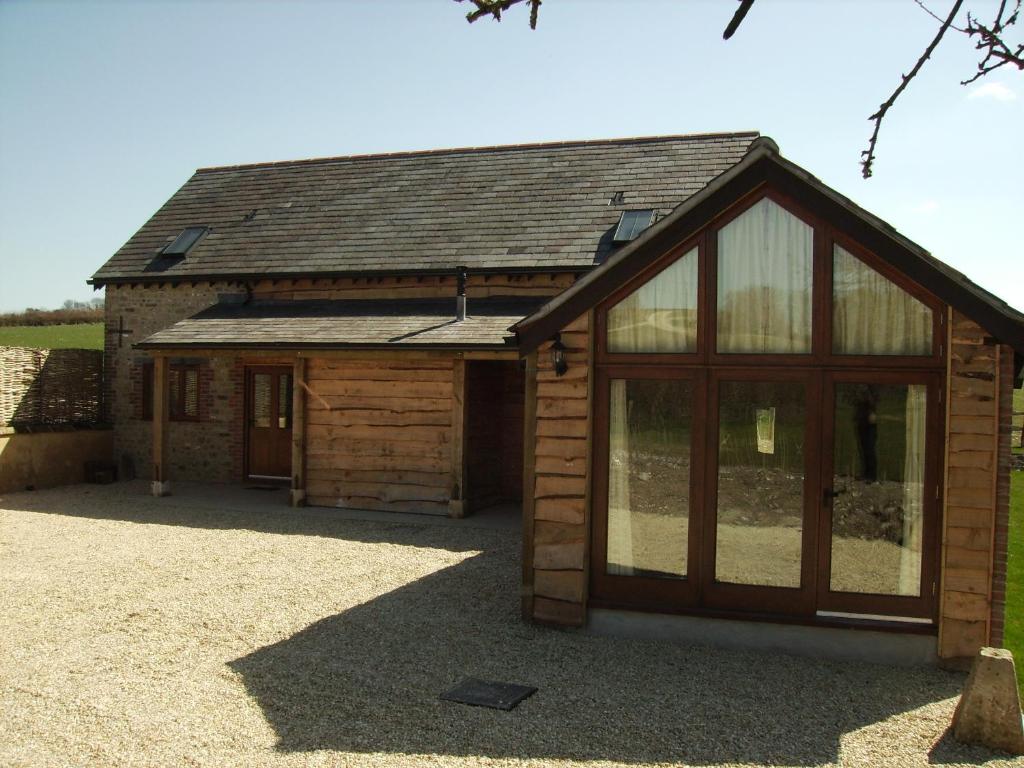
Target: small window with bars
182 392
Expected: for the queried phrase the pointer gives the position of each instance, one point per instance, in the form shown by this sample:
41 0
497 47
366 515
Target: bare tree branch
737 18
495 8
868 155
991 41
938 18
988 38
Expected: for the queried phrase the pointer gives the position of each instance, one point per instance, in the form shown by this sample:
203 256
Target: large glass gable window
765 265
660 315
871 315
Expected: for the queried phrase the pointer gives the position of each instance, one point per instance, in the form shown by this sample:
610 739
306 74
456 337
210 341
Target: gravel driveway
189 631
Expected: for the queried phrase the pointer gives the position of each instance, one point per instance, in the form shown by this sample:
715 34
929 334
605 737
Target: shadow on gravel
368 680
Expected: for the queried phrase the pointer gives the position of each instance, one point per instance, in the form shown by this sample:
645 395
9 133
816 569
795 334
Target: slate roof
385 323
541 207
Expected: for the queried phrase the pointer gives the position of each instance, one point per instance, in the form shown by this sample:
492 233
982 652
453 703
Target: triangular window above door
871 315
660 315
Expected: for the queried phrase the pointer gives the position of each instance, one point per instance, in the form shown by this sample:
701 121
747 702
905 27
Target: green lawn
80 336
1014 634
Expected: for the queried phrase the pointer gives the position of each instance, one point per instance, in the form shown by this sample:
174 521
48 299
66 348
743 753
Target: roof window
183 243
631 224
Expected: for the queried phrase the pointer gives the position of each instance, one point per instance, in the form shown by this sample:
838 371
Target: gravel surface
180 632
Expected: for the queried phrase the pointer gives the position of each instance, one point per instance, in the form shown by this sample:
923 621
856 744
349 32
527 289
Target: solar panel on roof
631 224
183 242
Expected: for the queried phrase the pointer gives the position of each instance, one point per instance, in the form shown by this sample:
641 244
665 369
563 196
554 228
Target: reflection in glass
284 401
877 518
183 392
261 394
649 477
764 282
660 315
871 315
191 399
760 483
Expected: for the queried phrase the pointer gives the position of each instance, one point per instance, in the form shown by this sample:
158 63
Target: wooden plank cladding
557 533
979 382
379 434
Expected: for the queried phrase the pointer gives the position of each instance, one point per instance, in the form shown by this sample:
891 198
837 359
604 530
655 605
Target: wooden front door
269 422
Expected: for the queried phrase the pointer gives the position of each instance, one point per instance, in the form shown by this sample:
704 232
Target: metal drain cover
480 693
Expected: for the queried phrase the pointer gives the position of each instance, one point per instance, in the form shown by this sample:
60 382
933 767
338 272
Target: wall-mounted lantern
558 361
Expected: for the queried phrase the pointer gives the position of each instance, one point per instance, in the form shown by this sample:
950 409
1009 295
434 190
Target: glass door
646 488
269 422
879 495
761 516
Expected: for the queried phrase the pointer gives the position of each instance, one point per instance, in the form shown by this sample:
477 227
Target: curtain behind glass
660 315
765 259
620 521
871 315
913 492
649 442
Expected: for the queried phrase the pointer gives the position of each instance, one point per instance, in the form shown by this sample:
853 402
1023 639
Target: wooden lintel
286 356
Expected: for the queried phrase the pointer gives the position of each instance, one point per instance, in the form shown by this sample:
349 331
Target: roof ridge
478 149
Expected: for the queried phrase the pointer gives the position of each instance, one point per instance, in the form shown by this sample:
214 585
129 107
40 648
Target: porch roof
385 323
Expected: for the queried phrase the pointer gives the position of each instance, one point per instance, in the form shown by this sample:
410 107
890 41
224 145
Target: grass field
80 336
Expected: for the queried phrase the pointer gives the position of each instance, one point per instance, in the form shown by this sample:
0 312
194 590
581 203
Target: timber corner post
457 502
529 481
161 483
297 497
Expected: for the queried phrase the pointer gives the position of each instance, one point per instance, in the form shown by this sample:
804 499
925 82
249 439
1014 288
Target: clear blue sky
106 108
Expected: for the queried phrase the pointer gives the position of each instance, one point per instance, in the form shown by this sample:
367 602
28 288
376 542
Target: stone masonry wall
1002 529
208 450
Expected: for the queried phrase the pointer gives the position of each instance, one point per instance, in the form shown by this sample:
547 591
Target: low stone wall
48 459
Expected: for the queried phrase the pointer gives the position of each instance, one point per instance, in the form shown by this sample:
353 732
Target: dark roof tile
541 206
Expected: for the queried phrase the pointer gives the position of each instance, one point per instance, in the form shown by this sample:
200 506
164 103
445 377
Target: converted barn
716 387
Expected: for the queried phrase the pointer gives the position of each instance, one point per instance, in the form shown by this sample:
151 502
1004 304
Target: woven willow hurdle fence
50 387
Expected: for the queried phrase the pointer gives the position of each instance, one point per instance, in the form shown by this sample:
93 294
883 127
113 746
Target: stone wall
209 450
49 459
977 492
1000 539
557 529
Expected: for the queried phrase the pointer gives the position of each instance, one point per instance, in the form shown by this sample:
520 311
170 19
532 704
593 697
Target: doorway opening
268 415
493 434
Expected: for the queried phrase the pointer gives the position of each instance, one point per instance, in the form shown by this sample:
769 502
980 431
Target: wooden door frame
665 593
820 367
798 601
247 420
924 606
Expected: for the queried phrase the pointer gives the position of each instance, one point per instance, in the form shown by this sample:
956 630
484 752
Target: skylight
184 242
631 224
